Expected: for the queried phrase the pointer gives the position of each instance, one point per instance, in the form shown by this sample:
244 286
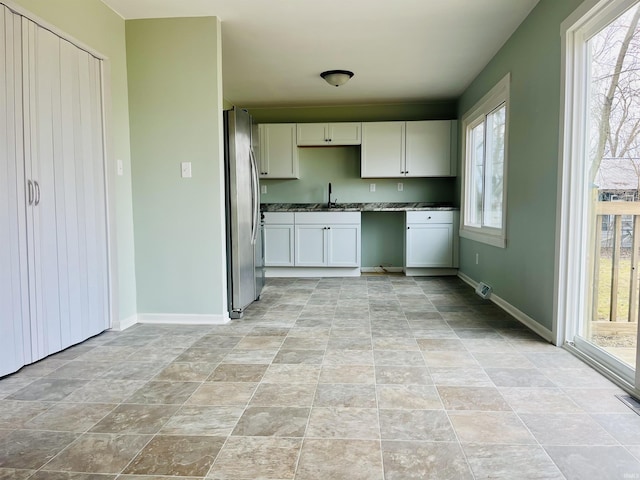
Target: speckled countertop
356 207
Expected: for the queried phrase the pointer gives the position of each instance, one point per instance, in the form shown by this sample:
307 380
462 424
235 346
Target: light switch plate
186 169
263 189
400 186
119 168
372 187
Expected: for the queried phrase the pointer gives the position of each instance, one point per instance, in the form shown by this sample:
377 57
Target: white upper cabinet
329 134
409 149
429 149
278 151
383 149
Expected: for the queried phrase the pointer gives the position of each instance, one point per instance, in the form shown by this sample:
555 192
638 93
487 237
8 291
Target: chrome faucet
331 204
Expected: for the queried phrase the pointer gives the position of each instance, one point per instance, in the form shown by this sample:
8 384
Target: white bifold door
56 219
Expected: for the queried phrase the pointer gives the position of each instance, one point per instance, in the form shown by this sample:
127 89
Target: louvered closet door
15 348
80 194
67 220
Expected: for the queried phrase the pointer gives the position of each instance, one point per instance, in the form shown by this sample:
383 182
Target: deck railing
622 238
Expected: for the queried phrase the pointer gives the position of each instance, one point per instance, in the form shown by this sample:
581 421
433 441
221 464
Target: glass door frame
573 235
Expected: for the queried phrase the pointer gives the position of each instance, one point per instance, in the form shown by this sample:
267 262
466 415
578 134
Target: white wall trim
519 315
311 272
183 319
430 272
123 324
572 233
501 92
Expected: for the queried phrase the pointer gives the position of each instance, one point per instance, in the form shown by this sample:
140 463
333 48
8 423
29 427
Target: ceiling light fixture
336 77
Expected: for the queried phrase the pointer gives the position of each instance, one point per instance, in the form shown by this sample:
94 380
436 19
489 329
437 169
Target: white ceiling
400 51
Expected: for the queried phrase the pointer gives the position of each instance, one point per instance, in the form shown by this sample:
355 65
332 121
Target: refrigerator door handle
255 196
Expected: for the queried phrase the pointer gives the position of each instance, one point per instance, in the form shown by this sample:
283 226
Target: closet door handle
37 202
30 185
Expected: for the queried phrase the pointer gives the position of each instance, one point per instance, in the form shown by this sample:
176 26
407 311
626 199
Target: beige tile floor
367 378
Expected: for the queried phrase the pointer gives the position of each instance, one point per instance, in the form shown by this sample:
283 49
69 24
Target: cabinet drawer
278 218
430 216
327 218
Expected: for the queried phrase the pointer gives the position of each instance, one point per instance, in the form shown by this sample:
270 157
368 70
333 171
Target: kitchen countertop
356 207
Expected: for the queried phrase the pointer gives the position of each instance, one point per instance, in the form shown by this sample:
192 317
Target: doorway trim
571 275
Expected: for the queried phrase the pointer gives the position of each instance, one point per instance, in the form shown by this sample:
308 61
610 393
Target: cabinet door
343 245
383 145
278 244
345 133
312 134
311 246
428 149
429 245
15 349
278 151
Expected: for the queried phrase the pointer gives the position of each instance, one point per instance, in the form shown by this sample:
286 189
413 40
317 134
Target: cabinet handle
37 202
407 172
408 228
428 218
30 185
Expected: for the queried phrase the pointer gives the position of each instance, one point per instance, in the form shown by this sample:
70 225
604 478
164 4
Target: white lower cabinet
429 246
278 239
311 246
312 239
327 245
327 239
430 239
343 245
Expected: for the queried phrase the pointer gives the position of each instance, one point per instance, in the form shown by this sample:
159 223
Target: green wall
437 110
175 104
382 239
523 273
341 167
94 24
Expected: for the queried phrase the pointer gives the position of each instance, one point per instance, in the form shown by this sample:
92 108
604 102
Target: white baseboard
183 319
519 315
430 272
311 272
381 269
123 324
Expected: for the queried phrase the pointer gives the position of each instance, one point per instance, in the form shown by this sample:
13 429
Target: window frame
475 116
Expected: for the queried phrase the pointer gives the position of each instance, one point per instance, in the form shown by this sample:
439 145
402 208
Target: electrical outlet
400 186
185 168
372 187
263 189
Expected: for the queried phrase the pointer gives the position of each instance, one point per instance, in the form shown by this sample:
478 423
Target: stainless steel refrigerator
245 233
